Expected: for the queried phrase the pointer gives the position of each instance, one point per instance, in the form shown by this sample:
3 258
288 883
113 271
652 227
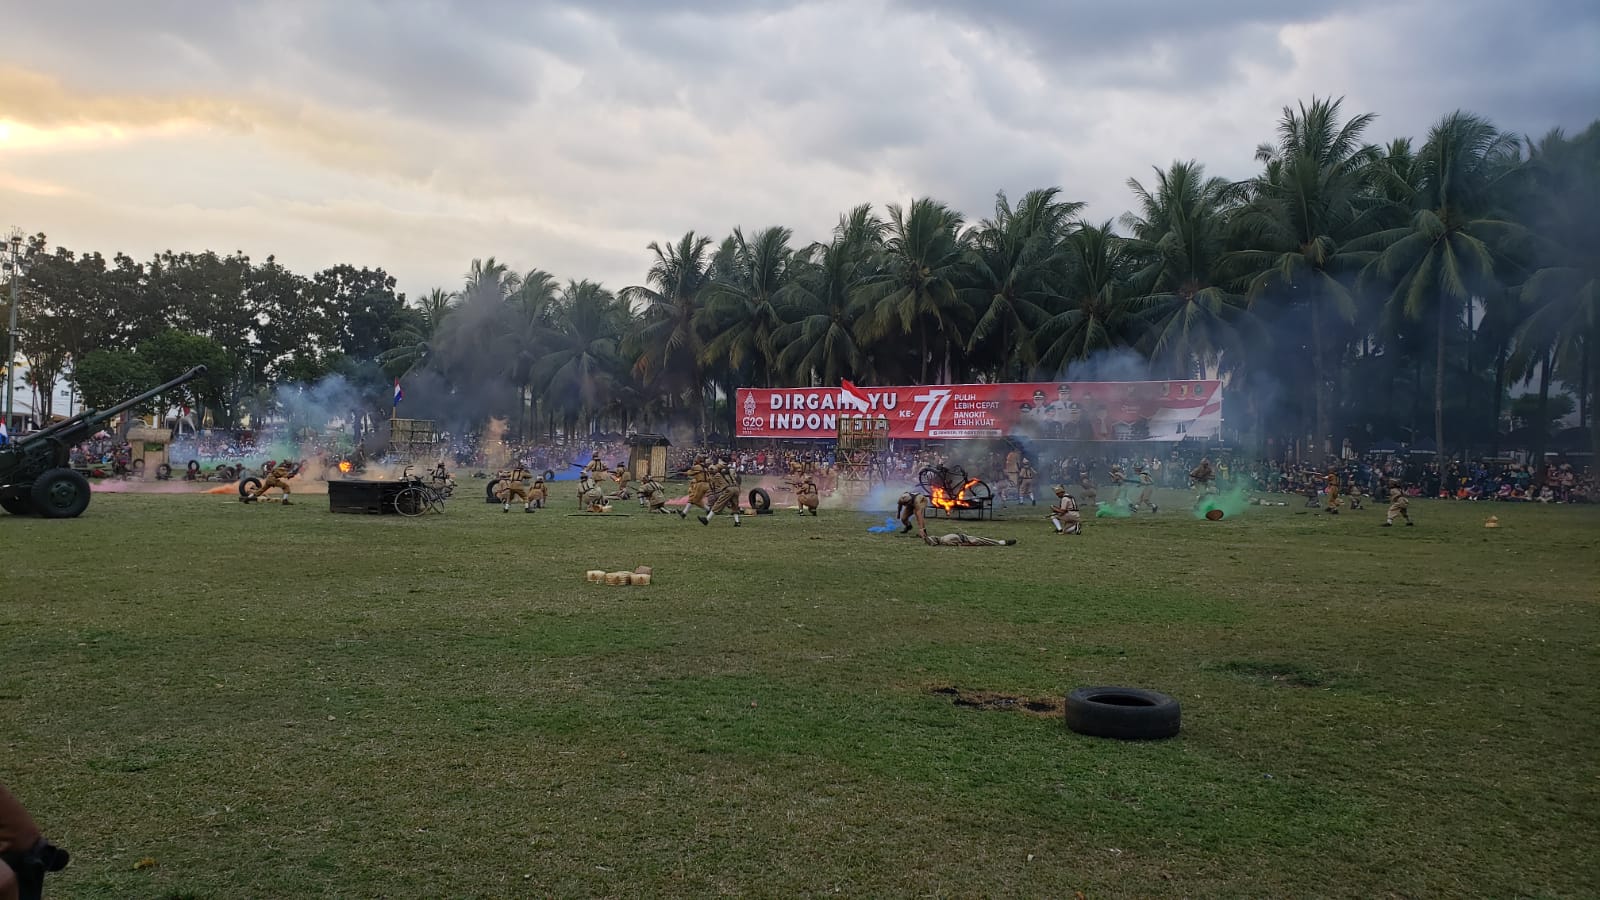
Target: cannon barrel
91 419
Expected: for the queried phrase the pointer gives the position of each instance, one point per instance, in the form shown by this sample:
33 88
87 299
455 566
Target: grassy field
279 702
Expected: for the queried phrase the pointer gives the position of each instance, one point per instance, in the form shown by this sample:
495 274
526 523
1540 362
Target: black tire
17 506
246 485
1126 714
549 475
760 500
193 467
163 472
489 491
226 474
60 494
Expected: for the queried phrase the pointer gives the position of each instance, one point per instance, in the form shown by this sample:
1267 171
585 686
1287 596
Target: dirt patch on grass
976 699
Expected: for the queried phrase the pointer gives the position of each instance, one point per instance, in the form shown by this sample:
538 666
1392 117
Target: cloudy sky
567 136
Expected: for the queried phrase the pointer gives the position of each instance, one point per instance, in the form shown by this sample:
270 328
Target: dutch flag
398 394
5 436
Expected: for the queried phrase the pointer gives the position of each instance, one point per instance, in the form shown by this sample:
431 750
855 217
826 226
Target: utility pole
13 249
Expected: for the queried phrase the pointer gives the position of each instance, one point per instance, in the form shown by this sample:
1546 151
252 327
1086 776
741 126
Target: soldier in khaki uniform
514 486
1331 481
1087 488
1399 505
277 478
620 478
807 495
1025 478
1064 514
592 498
724 494
539 494
653 495
1354 492
1118 479
961 539
913 507
1204 477
1147 487
699 486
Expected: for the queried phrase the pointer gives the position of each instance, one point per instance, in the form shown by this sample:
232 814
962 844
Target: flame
961 500
344 467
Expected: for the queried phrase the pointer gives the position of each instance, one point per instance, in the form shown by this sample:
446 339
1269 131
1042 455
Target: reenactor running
1331 480
1025 478
724 494
699 486
1064 514
277 477
1204 477
1399 505
913 507
807 495
513 485
1147 487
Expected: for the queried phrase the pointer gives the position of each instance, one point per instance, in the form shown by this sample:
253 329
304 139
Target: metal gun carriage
36 477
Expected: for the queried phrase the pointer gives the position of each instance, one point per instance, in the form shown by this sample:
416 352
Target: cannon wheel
17 506
60 494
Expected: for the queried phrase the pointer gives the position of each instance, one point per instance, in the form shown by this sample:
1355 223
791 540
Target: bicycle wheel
411 502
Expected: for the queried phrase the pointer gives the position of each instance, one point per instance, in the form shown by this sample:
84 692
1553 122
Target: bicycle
419 497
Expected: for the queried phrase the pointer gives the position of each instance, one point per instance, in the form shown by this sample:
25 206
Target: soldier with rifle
277 477
724 494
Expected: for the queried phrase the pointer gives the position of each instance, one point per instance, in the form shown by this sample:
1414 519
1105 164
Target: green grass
280 702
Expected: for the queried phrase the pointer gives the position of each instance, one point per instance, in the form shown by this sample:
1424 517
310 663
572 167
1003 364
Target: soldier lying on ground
959 539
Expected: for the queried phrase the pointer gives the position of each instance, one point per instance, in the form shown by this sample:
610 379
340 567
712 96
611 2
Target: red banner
1079 410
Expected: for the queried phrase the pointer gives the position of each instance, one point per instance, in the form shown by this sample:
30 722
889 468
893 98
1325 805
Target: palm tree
665 336
818 344
1446 251
1310 201
914 294
1011 261
1562 297
1096 310
1181 239
582 370
488 279
413 348
742 312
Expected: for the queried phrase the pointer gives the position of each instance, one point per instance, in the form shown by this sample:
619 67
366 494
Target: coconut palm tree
1011 261
1312 198
914 296
818 344
414 345
489 279
741 313
582 370
1446 251
1096 310
1562 298
665 340
1180 237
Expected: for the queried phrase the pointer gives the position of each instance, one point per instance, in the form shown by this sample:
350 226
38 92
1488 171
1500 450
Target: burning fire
344 467
962 499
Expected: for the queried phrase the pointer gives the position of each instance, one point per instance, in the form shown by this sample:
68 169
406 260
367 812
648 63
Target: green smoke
1232 503
1113 510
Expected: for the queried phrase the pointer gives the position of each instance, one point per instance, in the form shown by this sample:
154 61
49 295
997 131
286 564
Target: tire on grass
246 485
760 500
60 494
1123 713
163 472
488 490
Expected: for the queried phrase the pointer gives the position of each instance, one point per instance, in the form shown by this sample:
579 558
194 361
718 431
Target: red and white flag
852 397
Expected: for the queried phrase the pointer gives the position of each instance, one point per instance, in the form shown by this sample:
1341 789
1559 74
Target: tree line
1347 289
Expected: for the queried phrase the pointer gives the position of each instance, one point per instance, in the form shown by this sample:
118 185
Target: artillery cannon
34 474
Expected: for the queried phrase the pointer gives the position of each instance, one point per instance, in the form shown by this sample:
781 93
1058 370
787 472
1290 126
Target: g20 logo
753 422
